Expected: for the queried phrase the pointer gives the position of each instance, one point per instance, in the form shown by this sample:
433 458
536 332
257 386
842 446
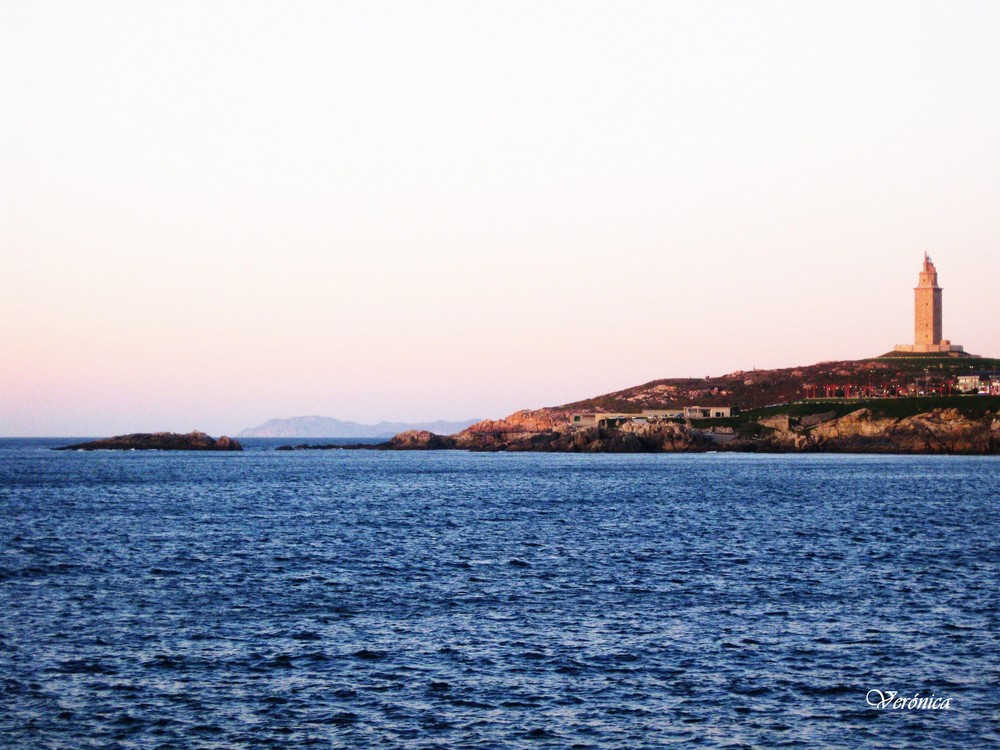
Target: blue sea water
356 599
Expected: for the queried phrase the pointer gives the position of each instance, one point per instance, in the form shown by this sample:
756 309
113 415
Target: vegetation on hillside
972 406
756 389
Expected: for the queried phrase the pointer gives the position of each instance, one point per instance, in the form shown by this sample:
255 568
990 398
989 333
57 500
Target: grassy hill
756 389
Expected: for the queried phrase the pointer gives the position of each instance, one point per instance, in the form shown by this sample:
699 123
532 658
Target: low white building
968 383
707 412
990 387
590 419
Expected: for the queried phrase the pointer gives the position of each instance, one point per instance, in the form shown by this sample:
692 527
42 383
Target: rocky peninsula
880 405
158 441
859 431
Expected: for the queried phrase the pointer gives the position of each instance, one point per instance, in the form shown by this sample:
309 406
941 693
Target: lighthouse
927 309
927 317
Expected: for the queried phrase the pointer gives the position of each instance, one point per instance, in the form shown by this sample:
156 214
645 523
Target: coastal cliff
540 429
861 431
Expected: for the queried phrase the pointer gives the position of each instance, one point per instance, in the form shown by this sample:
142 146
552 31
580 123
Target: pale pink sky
215 213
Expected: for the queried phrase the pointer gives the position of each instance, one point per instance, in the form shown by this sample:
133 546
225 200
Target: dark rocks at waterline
408 440
158 441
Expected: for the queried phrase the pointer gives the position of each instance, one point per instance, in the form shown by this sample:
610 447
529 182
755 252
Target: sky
216 213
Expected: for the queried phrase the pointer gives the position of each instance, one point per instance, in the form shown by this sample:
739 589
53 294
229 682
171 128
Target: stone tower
927 317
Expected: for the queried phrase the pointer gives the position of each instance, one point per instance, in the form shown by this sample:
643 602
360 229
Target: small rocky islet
158 441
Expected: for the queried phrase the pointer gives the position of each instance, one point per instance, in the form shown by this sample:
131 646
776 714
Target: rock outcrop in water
158 441
526 431
419 440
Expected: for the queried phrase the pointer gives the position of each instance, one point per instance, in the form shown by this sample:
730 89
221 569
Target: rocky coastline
938 431
879 405
158 441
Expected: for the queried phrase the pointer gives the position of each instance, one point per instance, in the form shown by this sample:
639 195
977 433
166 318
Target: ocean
363 599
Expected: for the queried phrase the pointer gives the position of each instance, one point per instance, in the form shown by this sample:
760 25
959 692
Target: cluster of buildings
984 384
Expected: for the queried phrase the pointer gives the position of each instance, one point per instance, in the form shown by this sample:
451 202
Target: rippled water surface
454 600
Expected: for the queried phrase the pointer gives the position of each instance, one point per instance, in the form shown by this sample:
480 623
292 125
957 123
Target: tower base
945 347
924 351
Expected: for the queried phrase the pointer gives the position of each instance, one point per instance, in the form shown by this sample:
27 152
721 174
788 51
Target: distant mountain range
313 427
